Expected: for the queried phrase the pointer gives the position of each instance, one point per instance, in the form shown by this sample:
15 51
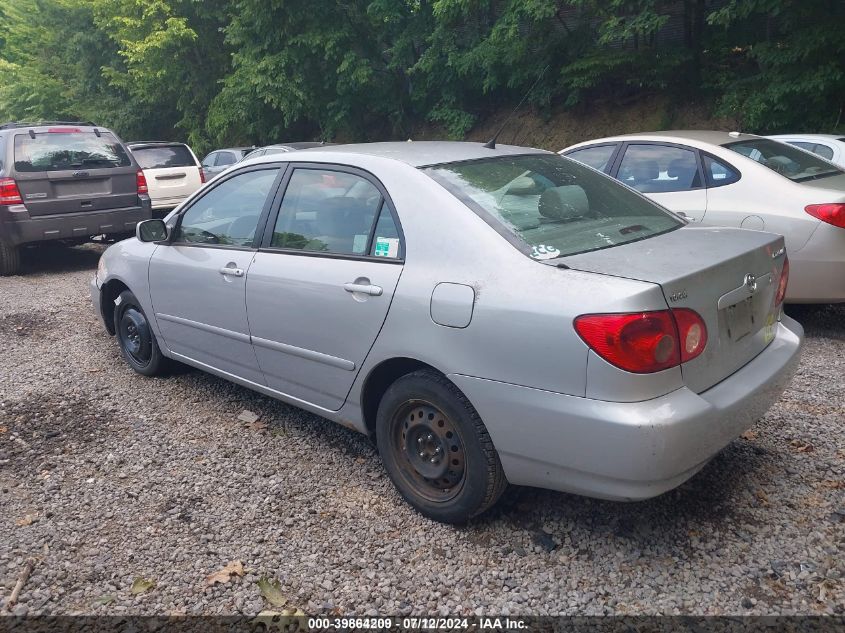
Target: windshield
788 161
161 156
59 151
554 206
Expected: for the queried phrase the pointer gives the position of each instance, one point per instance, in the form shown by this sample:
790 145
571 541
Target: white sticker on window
541 251
387 247
359 243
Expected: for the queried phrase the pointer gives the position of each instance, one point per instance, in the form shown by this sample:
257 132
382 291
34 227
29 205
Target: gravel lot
107 477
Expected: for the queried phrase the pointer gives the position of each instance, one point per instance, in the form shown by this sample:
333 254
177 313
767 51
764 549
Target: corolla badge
751 283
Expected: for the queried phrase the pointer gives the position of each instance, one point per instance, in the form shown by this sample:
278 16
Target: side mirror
151 231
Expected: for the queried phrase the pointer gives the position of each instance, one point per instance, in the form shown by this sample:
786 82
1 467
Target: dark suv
65 181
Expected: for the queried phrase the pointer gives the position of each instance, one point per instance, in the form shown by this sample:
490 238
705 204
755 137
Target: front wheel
135 337
436 449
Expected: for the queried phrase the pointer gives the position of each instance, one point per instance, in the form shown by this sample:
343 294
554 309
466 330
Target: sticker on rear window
541 251
386 247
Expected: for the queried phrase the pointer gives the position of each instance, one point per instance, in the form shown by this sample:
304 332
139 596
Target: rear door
319 289
669 174
172 172
71 170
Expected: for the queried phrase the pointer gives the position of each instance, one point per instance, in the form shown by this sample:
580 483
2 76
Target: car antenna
491 144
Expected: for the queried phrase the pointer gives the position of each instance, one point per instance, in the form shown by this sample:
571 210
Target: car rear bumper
817 271
17 226
633 450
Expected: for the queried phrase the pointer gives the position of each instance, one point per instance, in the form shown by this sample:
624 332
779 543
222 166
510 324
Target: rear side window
553 206
333 212
61 151
719 173
659 169
596 157
161 156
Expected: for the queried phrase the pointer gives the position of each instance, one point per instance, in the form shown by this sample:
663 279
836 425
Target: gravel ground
107 477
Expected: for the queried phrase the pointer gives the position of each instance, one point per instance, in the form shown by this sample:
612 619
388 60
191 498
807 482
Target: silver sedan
741 180
487 315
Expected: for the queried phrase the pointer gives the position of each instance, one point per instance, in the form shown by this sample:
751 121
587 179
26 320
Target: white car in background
829 146
172 171
740 180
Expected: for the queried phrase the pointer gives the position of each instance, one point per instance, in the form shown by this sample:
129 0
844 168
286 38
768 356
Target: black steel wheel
436 449
135 337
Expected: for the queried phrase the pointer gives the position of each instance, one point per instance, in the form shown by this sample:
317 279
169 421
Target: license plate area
740 319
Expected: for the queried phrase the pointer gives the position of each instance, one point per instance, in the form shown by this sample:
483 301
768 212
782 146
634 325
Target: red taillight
784 280
202 175
644 342
833 213
9 192
141 181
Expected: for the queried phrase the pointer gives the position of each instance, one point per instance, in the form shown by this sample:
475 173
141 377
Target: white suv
172 171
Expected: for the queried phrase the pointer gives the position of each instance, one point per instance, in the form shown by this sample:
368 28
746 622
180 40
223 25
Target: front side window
228 214
208 161
162 156
554 206
66 150
659 169
784 159
225 158
596 157
329 211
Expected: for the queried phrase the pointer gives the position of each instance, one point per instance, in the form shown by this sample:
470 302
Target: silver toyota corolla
742 180
489 315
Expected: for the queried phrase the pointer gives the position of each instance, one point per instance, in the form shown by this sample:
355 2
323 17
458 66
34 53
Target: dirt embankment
565 127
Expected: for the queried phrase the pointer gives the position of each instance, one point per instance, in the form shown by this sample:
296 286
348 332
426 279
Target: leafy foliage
260 71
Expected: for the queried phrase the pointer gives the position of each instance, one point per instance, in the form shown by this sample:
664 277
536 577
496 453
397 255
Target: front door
198 282
320 287
668 174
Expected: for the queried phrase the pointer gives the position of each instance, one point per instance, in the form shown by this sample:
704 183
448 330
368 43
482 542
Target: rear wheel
135 337
10 258
436 449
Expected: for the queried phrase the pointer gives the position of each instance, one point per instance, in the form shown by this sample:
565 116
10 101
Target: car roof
827 137
137 144
298 145
419 153
706 137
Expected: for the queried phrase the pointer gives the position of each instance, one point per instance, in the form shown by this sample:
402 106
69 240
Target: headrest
340 215
681 167
646 170
563 203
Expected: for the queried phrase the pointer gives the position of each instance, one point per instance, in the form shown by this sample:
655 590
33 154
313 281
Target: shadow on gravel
820 321
56 258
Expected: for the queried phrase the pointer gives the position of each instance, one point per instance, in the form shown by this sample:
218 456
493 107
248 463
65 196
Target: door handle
234 272
369 289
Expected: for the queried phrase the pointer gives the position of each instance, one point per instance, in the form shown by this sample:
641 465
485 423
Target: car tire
10 258
436 449
135 337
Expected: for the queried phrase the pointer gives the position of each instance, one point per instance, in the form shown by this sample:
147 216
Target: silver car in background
741 180
489 315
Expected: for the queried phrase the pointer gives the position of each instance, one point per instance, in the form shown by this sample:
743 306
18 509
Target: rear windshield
160 156
59 151
788 161
554 206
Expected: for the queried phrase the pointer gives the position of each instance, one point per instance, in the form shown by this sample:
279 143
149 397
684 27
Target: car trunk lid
728 276
172 172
